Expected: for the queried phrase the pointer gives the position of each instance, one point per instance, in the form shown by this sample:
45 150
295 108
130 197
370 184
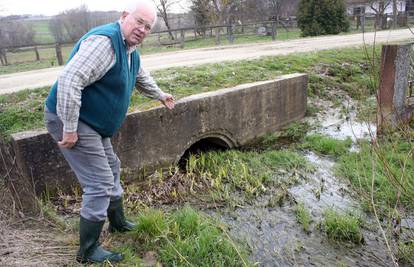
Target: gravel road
45 77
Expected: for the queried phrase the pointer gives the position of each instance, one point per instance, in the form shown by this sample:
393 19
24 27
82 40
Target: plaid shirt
93 60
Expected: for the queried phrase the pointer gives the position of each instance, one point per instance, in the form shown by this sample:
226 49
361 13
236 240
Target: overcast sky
53 7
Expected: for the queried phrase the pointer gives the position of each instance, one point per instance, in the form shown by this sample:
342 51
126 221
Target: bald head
133 5
137 20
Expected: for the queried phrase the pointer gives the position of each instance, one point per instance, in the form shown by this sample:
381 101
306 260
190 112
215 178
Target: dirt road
45 77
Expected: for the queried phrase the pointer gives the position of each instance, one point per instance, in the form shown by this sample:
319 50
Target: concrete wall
159 137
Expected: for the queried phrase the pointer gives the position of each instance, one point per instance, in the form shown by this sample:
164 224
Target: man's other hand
167 100
68 140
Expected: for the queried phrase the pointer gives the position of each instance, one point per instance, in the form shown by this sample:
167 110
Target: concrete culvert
226 118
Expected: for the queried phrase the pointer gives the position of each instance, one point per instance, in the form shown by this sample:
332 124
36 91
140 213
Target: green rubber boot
116 217
90 251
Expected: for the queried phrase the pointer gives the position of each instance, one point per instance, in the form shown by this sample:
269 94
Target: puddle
322 190
341 123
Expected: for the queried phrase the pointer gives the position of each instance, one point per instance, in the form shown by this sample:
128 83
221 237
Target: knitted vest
105 102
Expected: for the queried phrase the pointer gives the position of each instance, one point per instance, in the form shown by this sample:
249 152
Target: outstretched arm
147 86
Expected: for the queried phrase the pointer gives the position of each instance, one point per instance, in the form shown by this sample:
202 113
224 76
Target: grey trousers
95 164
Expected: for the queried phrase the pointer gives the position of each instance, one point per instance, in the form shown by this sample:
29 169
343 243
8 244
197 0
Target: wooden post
59 54
392 109
218 36
37 53
182 39
3 56
230 35
273 31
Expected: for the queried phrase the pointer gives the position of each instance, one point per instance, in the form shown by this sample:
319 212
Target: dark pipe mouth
202 146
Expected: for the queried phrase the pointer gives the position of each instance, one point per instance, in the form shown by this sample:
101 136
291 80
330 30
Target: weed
303 216
295 131
405 252
385 170
327 145
185 238
342 227
48 211
151 224
247 172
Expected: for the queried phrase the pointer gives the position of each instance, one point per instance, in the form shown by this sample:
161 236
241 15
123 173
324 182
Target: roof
355 2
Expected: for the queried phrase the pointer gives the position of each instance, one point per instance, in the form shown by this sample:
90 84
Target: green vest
105 102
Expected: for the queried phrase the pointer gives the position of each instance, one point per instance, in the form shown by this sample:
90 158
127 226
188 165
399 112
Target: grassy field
41 28
381 172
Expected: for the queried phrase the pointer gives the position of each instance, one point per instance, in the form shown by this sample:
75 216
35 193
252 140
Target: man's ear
123 15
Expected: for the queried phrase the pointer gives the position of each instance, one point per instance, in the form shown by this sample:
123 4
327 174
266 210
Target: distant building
409 7
357 7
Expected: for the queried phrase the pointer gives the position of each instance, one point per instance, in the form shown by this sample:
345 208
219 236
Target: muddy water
275 238
272 232
340 122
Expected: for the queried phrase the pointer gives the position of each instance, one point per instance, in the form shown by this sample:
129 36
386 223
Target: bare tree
223 10
379 8
201 10
57 29
164 7
275 6
14 34
394 13
3 45
76 22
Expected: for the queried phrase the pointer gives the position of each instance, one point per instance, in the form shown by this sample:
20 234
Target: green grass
21 111
303 216
342 227
42 31
388 169
405 253
326 145
26 60
250 173
294 132
184 237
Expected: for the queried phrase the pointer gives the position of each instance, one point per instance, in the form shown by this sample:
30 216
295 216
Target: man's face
136 25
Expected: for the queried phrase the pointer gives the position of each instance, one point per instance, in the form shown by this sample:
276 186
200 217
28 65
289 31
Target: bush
319 17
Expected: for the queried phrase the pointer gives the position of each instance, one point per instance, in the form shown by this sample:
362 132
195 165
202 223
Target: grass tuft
342 227
184 238
326 145
151 224
405 253
303 216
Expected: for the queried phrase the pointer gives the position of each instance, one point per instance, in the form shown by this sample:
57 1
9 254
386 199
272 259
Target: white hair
133 5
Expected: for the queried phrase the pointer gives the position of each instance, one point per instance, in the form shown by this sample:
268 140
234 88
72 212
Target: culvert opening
202 146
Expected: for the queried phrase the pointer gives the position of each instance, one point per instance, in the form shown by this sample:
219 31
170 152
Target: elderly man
87 105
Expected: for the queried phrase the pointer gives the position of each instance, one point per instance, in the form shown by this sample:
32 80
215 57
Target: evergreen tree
319 17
